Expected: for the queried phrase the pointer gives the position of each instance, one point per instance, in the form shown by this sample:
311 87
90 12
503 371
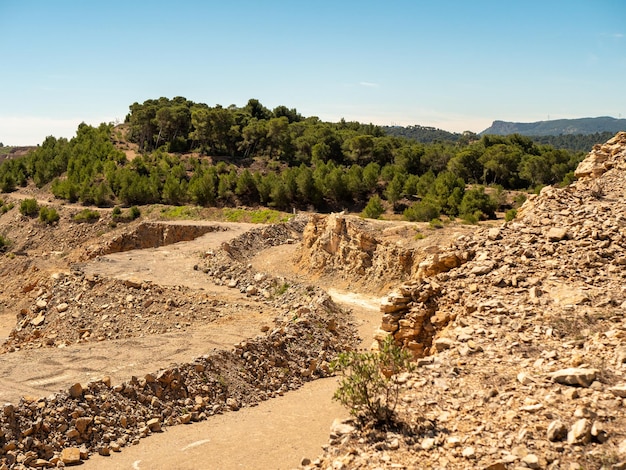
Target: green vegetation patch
48 215
260 216
4 207
125 216
181 212
374 208
29 207
87 215
367 386
4 243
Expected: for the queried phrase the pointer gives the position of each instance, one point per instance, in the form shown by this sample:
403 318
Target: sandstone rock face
603 157
337 244
152 235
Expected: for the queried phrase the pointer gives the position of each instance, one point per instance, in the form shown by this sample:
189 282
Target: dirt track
277 433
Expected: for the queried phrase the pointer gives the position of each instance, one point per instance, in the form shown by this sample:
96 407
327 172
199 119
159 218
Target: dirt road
276 434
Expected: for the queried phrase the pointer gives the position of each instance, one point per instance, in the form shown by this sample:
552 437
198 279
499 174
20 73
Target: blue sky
456 65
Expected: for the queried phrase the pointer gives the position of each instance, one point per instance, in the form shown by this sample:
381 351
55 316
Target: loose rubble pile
78 308
520 338
101 417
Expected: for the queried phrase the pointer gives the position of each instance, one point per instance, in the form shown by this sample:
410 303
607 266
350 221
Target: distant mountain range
558 127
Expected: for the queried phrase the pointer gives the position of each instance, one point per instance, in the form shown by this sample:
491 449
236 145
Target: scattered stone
619 390
38 320
556 234
442 344
427 443
469 453
575 376
557 431
580 433
340 428
70 456
531 461
154 425
76 390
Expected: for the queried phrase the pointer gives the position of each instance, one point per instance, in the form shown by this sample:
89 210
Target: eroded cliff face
370 254
349 248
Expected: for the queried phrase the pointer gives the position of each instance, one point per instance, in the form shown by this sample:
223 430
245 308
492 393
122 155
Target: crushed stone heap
520 340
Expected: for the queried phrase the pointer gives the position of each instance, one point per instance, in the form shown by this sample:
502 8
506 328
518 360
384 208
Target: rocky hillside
520 340
557 127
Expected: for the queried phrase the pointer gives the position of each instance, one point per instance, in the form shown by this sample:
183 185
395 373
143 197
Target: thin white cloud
617 35
369 84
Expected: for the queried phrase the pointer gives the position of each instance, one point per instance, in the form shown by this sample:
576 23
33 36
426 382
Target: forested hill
177 152
558 127
423 134
430 135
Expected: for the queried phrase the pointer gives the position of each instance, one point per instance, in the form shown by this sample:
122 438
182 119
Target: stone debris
574 376
101 417
520 346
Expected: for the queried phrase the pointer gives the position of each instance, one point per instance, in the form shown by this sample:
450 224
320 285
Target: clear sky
456 65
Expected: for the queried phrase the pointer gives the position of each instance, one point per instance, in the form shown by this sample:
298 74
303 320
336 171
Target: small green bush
48 215
374 208
29 207
422 211
520 199
367 386
116 212
134 212
6 208
510 215
86 215
4 243
471 218
436 223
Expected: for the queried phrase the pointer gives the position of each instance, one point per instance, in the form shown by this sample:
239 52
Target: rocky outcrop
348 247
603 157
522 346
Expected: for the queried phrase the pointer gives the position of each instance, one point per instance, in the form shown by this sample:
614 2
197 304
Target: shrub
422 211
86 215
368 387
510 215
29 207
374 208
476 200
48 215
6 208
4 243
471 218
436 223
134 212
